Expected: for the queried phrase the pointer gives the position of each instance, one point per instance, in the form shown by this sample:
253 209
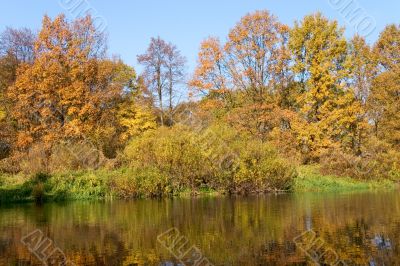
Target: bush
11 165
75 156
38 193
258 169
140 183
35 160
40 177
378 161
217 158
175 152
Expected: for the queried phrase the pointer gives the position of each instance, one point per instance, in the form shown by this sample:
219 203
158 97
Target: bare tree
163 70
154 63
175 64
18 43
16 47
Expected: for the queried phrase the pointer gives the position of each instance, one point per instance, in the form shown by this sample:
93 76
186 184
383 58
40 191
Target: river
288 229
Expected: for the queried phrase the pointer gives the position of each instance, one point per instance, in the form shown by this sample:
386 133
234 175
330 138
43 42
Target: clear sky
131 24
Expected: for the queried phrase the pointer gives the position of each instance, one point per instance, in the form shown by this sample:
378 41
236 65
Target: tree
384 102
69 89
164 68
387 48
321 66
250 73
385 105
363 68
135 114
252 59
254 53
134 118
16 47
18 43
175 66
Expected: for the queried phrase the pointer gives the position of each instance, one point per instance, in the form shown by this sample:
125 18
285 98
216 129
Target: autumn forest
264 107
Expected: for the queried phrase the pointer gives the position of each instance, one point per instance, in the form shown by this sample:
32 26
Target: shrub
174 152
217 158
11 165
35 160
140 183
378 161
78 185
75 156
38 193
258 169
40 177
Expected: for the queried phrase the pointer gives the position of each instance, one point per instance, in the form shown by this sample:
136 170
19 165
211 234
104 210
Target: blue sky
131 24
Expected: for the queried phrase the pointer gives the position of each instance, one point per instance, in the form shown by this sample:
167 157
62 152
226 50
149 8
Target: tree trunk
159 90
170 98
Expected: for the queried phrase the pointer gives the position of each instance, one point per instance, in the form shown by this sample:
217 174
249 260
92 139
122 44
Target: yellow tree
135 114
384 101
363 70
322 68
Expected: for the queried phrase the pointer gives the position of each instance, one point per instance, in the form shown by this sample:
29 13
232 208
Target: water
358 229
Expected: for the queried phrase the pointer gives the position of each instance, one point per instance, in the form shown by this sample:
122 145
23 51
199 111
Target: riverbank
310 179
129 184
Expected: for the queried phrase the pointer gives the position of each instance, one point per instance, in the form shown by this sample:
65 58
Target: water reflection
363 229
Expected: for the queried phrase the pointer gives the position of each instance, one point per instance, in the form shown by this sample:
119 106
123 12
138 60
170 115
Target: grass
311 180
71 186
144 183
90 185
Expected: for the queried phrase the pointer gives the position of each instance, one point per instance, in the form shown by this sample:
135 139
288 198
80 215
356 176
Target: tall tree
384 102
163 70
322 68
210 76
16 47
69 88
254 56
250 72
363 68
362 72
18 43
175 66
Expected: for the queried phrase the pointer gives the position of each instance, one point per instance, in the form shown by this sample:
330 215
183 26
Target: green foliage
78 185
174 152
312 180
140 183
259 169
216 157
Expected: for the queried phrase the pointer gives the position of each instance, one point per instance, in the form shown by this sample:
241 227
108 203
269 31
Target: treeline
306 94
318 97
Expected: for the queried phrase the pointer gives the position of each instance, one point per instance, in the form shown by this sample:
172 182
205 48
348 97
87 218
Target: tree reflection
228 231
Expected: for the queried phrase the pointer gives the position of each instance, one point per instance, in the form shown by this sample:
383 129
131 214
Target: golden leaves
69 88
